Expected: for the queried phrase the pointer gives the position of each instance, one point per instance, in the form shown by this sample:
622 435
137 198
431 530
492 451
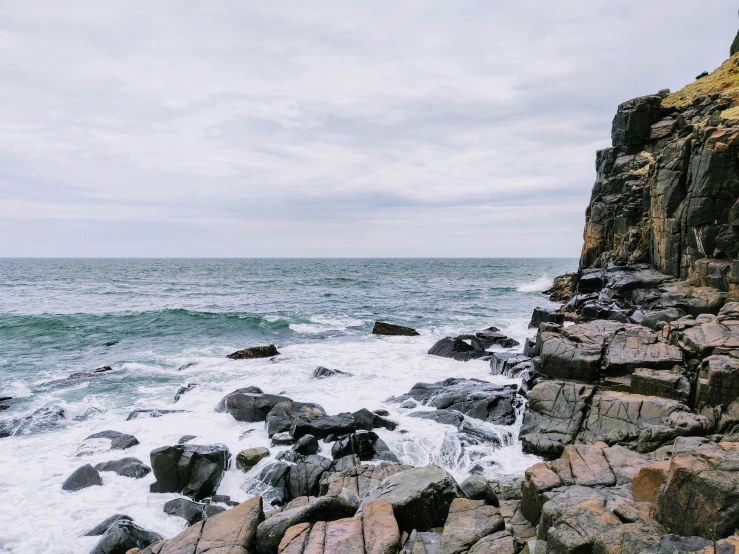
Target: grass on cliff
723 79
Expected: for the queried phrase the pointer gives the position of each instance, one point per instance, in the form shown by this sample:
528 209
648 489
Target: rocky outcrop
324 373
561 289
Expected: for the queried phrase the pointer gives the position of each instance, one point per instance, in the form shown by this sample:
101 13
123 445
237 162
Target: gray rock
195 471
81 478
250 407
247 459
126 467
103 526
477 487
190 511
122 536
307 445
254 352
324 373
382 328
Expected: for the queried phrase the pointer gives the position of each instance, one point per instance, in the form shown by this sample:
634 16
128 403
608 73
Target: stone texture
467 523
247 459
81 478
254 352
195 471
122 536
382 328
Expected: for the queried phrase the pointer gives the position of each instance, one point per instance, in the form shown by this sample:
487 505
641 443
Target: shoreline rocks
254 352
390 329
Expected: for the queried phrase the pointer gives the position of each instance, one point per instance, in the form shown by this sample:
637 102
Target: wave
541 284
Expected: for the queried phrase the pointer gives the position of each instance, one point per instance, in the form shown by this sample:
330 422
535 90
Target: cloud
403 128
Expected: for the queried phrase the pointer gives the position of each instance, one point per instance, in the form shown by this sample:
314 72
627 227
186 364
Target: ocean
163 323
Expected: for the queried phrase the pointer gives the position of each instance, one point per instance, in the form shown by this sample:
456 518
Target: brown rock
648 480
381 533
497 543
343 536
247 459
468 522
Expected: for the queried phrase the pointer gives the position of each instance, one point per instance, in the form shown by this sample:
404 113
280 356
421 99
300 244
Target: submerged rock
254 352
81 478
382 328
152 413
324 373
40 420
103 526
104 441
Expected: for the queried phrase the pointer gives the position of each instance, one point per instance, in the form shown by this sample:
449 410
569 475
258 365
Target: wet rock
122 536
554 416
40 420
233 531
634 346
575 353
445 417
126 467
281 439
282 416
195 471
307 445
382 328
254 352
666 384
103 526
347 473
81 376
271 484
501 363
247 459
477 487
367 421
324 373
249 407
322 426
152 413
184 389
271 531
420 497
546 315
653 318
487 339
561 290
457 349
719 380
81 478
221 406
468 522
701 493
104 441
364 444
186 438
190 511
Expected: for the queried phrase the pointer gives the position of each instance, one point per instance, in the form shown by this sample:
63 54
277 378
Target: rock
420 497
666 384
184 389
195 471
324 373
501 363
247 459
634 346
719 380
554 416
364 444
281 439
81 478
701 493
233 532
307 445
648 480
468 522
422 542
39 420
122 536
487 339
152 413
254 352
367 421
497 543
186 438
457 349
546 315
250 407
103 526
322 426
476 487
445 417
322 509
190 511
126 467
734 45
652 318
282 416
221 407
575 353
561 290
118 441
382 328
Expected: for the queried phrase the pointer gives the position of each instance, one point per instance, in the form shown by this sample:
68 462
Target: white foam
541 284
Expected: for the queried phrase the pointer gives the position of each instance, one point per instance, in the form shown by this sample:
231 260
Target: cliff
667 191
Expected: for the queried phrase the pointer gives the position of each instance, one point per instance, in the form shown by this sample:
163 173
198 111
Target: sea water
164 323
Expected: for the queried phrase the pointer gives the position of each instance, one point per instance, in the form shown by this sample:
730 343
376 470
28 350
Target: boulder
103 526
81 478
126 467
324 373
233 532
152 413
184 389
476 487
575 353
382 328
701 493
546 315
282 416
195 471
497 543
648 480
39 420
247 459
366 445
719 380
457 349
348 474
487 339
420 497
367 421
221 407
307 445
110 440
271 531
322 426
250 407
122 536
468 522
254 352
554 416
666 384
190 511
561 289
501 363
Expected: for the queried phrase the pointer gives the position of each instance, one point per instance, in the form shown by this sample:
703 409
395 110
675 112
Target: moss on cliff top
723 79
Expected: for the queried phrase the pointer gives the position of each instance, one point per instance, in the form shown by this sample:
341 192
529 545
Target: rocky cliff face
667 191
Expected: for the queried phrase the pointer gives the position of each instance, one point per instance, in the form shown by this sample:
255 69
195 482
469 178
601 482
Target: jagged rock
546 315
190 511
271 531
642 422
322 426
468 522
497 543
666 384
364 444
307 445
359 479
652 318
127 467
122 536
324 373
382 328
701 493
81 478
152 413
420 497
648 480
501 363
186 438
719 380
561 289
574 353
184 389
247 459
487 339
195 471
472 397
281 417
249 407
634 346
445 417
254 352
554 416
281 439
103 526
476 487
104 441
457 349
367 421
233 531
39 420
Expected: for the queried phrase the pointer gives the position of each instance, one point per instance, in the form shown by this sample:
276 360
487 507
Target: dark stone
320 427
190 511
122 536
195 471
249 407
734 45
307 445
281 417
254 352
700 76
487 339
40 420
382 328
324 373
103 526
445 417
183 390
186 438
364 444
247 459
456 349
210 510
118 441
367 420
221 407
546 315
153 413
127 467
81 478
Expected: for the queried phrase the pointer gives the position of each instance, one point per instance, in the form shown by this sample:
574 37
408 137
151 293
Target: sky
404 128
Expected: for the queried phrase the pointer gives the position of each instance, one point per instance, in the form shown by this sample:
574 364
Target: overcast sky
367 128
